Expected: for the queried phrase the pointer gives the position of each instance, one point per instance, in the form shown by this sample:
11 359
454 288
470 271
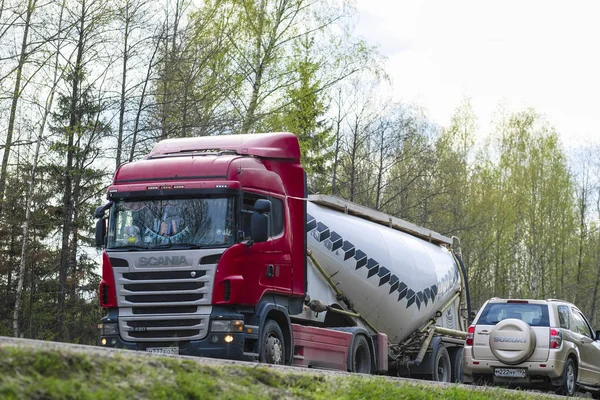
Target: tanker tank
397 281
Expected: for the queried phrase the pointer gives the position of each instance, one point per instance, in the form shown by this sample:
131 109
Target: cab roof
279 145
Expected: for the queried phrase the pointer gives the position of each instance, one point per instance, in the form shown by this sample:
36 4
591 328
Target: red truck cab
204 248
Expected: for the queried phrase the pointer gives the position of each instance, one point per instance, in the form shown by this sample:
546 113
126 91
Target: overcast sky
542 54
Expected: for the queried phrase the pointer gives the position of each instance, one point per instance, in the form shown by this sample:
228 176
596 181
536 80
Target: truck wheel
442 368
456 358
273 348
361 356
569 379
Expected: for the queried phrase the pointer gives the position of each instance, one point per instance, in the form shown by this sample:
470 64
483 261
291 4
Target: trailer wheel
273 345
361 356
442 368
456 358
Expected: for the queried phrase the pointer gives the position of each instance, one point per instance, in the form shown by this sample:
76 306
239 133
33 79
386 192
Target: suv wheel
569 378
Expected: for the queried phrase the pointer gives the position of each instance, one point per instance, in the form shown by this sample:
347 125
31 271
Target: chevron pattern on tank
334 242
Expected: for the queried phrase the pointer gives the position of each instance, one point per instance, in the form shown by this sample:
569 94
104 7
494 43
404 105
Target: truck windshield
173 223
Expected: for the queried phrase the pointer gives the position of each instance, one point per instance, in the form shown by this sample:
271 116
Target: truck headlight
230 325
108 329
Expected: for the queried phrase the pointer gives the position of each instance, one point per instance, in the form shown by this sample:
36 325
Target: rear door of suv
534 314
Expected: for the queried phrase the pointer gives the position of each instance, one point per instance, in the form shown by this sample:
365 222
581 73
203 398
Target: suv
539 343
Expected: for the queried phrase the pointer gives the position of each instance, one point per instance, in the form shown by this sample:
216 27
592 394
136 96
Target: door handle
270 271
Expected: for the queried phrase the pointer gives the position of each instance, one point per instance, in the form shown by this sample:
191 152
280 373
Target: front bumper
537 372
213 345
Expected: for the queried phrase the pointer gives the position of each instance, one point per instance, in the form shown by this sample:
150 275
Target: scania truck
212 247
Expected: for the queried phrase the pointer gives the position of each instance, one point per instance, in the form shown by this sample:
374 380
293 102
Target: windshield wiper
131 247
176 246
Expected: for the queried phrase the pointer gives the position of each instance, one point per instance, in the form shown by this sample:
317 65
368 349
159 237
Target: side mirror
100 232
99 213
597 335
259 227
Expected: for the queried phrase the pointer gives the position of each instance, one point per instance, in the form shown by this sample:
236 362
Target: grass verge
28 373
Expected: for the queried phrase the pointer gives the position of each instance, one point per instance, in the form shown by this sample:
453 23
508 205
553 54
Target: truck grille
162 305
163 324
164 298
149 287
165 334
168 328
163 288
161 275
163 310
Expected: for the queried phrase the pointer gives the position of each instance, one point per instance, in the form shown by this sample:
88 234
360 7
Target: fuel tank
396 280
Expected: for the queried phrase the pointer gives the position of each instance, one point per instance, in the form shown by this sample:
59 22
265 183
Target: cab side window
248 201
563 317
276 216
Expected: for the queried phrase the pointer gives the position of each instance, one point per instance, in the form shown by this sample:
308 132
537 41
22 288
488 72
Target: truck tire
442 368
360 361
456 358
569 379
273 345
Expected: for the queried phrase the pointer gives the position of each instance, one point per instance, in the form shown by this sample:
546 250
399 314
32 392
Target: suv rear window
533 314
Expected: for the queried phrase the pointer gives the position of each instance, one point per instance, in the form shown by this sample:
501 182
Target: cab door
281 246
260 259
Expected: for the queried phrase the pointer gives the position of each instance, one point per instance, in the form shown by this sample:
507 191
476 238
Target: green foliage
303 114
195 74
526 215
523 222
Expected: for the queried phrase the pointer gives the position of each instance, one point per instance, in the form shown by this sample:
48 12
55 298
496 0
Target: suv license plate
510 372
163 350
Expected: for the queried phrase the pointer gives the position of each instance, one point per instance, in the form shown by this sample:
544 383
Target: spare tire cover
512 341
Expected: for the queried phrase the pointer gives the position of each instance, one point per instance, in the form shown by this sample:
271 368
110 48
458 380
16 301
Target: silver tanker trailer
390 276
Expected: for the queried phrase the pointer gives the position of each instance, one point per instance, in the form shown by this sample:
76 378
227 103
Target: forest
86 85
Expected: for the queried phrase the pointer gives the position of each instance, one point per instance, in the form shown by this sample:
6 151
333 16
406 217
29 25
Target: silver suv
538 343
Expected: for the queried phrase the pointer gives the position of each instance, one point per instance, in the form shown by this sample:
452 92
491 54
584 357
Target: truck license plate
163 350
510 372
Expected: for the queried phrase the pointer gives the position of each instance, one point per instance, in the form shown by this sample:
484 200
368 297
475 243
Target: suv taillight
555 338
470 333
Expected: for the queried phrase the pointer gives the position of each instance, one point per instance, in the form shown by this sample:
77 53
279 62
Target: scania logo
162 261
509 339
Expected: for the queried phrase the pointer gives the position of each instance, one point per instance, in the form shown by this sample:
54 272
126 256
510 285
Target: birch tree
32 178
24 56
89 17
